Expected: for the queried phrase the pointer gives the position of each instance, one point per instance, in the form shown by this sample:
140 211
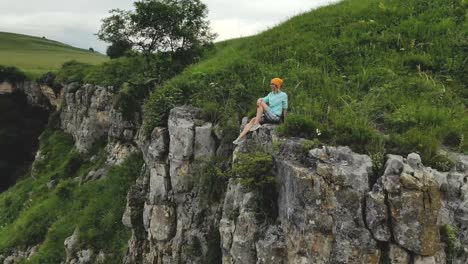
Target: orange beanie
277 81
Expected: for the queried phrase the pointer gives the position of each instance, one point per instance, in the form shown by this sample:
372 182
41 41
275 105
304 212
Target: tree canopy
159 26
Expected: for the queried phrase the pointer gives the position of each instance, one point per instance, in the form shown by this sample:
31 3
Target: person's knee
259 101
252 120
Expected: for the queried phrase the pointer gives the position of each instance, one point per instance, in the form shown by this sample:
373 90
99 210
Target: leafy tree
159 26
118 49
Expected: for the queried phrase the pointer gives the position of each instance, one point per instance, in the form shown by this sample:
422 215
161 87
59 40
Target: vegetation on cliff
380 76
33 214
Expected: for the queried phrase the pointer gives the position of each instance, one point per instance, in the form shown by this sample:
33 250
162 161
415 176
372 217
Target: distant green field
36 56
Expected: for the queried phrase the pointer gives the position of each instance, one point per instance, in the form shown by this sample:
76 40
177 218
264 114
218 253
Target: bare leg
247 128
261 106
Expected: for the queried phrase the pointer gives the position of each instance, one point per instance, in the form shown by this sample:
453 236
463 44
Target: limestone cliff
328 206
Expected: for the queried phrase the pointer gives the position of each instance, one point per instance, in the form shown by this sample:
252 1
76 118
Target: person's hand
259 101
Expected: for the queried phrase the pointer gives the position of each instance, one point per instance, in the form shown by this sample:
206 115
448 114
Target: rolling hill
35 55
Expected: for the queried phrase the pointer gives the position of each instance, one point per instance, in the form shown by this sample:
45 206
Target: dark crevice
20 127
364 211
389 219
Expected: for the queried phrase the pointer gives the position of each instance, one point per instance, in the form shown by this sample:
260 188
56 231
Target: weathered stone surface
410 192
425 260
205 144
414 219
19 255
118 152
272 247
180 174
155 147
461 163
6 88
34 94
181 133
71 245
158 184
147 210
84 257
238 226
86 115
163 222
393 168
136 197
377 215
120 127
398 255
320 209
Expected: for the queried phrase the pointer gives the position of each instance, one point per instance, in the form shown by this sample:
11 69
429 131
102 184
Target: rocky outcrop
404 206
321 195
327 212
326 209
75 255
40 95
169 220
19 255
86 113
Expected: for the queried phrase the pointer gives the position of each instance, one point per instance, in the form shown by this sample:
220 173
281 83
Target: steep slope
369 74
192 198
36 56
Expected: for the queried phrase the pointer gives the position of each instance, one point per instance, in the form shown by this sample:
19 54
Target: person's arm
266 99
285 107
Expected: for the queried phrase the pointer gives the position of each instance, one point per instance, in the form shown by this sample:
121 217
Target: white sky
75 22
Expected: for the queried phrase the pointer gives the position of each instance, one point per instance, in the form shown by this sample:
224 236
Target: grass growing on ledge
254 171
31 213
360 71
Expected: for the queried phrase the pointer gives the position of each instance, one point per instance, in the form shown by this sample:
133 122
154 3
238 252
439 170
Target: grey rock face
320 198
181 135
404 204
205 144
398 255
19 255
327 212
38 95
86 114
162 224
324 206
176 225
238 227
272 247
377 215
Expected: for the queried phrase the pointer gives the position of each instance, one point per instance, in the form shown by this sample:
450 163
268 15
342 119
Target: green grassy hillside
380 76
36 56
383 76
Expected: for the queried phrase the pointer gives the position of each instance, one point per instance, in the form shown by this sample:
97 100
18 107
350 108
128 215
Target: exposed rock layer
327 212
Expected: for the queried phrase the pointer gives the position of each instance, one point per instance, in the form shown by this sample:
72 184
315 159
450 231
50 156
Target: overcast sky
75 22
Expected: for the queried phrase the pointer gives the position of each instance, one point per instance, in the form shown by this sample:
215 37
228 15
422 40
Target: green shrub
212 180
130 97
116 72
299 126
73 71
254 172
158 105
452 246
212 112
441 162
11 74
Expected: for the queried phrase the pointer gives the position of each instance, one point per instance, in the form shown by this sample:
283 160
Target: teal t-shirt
277 102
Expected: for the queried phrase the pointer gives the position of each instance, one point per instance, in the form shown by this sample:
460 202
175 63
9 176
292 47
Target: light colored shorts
269 117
